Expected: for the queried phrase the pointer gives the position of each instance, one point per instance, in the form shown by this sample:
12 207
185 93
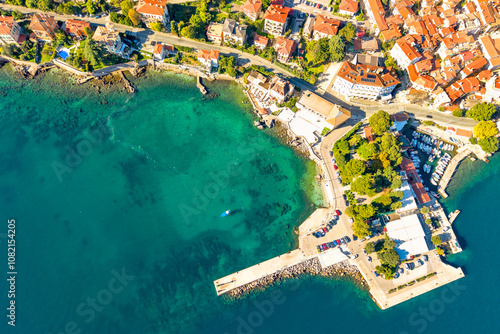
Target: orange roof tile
277 13
350 6
326 25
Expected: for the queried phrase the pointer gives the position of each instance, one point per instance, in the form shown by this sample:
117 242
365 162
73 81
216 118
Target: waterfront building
233 32
153 11
251 9
75 28
361 81
411 175
276 20
110 39
276 89
399 121
318 107
284 48
209 59
408 203
409 236
160 51
280 89
43 26
10 31
214 32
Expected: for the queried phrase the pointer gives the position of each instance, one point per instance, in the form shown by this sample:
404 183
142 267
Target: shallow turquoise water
127 238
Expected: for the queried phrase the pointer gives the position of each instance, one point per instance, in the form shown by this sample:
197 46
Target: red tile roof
326 25
212 54
414 181
277 13
252 6
350 6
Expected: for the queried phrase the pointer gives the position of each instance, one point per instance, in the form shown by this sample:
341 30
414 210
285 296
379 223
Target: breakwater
311 267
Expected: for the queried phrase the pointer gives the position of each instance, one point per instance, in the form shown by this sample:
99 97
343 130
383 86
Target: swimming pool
63 54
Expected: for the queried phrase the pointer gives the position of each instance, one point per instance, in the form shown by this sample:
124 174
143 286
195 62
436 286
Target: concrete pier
307 250
200 86
463 152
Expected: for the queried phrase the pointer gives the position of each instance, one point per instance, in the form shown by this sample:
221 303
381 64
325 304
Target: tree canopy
367 151
380 122
489 145
360 228
436 240
336 46
92 52
370 247
481 111
485 129
348 32
134 16
457 112
363 186
354 168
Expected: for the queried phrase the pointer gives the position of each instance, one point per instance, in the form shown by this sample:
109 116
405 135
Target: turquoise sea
117 201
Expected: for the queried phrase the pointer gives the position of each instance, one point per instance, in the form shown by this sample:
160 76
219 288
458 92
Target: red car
337 212
338 242
335 167
325 230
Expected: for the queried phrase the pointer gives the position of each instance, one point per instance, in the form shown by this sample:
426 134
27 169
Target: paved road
146 35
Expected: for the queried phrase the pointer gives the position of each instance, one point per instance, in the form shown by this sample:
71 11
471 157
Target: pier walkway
463 152
306 251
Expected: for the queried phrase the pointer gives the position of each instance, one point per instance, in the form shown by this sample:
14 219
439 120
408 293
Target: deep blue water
126 237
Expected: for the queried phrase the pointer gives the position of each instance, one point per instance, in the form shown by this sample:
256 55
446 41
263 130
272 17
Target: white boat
434 182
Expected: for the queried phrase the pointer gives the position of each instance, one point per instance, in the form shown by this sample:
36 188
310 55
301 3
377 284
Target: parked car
407 267
376 274
356 256
369 258
364 252
396 275
401 270
335 167
420 263
337 212
426 258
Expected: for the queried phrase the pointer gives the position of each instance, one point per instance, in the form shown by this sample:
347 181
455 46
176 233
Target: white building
276 19
233 32
409 236
153 11
359 81
404 52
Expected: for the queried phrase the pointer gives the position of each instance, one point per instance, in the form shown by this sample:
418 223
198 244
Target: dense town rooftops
285 46
6 23
378 14
43 22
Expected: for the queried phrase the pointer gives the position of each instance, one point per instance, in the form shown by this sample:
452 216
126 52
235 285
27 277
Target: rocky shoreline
310 267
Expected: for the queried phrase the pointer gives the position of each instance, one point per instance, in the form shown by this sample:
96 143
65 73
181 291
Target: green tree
428 221
360 17
367 151
343 147
360 228
354 168
173 28
370 247
380 122
363 186
436 240
134 16
126 5
156 26
188 32
348 32
440 251
473 140
489 145
45 5
92 52
8 50
316 51
266 4
485 129
91 7
31 4
336 48
366 211
355 139
481 111
389 257
458 112
424 210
